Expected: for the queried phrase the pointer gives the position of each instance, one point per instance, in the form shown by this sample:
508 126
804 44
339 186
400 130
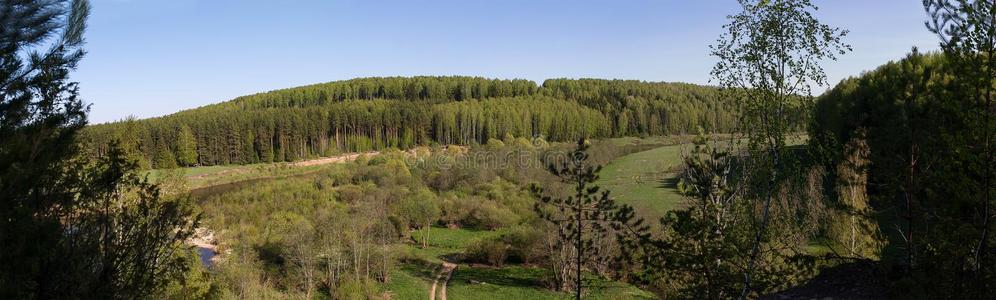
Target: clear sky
153 57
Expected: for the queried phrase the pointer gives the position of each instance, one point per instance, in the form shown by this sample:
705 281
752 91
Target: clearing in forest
645 180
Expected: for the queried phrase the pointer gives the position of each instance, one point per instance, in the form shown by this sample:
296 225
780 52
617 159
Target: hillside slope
375 113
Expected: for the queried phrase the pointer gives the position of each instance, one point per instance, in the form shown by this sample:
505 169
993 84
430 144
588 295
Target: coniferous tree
297 123
701 251
580 218
71 227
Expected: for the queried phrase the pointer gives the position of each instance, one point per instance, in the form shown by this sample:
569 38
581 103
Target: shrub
494 144
350 194
490 251
355 289
523 242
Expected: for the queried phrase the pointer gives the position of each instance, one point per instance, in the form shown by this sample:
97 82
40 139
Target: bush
351 194
476 212
355 289
487 214
524 243
495 144
489 251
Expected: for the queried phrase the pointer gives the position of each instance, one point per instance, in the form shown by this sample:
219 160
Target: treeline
420 88
909 143
288 134
649 108
376 113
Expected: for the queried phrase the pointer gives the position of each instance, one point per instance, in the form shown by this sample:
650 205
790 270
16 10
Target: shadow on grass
670 182
509 276
424 271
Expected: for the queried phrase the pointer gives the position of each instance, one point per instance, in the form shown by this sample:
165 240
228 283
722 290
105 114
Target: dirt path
446 269
332 160
348 157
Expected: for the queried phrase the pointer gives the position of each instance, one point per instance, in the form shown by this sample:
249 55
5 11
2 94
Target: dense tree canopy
649 108
71 227
923 181
376 113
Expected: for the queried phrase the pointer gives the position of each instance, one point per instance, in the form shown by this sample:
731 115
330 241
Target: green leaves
582 219
769 57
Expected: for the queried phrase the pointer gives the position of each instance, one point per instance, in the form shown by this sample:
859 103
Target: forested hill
373 113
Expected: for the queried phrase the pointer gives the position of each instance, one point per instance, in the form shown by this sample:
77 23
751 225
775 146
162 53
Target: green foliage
378 113
421 211
704 237
490 251
355 289
197 283
186 147
925 144
71 226
639 108
967 32
769 56
321 232
852 226
327 229
522 241
495 143
414 89
580 218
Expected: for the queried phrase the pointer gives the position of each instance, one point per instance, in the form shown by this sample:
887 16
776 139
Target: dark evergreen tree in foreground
967 30
581 219
70 226
702 252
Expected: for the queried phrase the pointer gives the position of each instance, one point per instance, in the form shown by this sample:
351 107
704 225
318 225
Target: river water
206 254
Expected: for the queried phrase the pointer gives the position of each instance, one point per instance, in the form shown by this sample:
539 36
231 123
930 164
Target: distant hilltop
401 112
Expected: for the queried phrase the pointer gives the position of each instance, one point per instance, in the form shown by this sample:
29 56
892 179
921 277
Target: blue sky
153 57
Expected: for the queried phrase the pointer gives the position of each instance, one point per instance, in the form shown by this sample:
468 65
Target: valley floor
642 179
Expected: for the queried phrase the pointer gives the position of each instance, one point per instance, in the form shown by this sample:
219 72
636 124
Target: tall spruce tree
70 226
580 218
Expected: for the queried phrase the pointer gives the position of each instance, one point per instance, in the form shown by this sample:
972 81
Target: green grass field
445 242
455 238
645 180
526 283
405 285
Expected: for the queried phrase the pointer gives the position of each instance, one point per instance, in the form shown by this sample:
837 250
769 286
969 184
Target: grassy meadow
645 180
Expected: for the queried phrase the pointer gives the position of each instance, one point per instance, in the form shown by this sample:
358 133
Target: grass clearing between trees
645 180
405 284
517 282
